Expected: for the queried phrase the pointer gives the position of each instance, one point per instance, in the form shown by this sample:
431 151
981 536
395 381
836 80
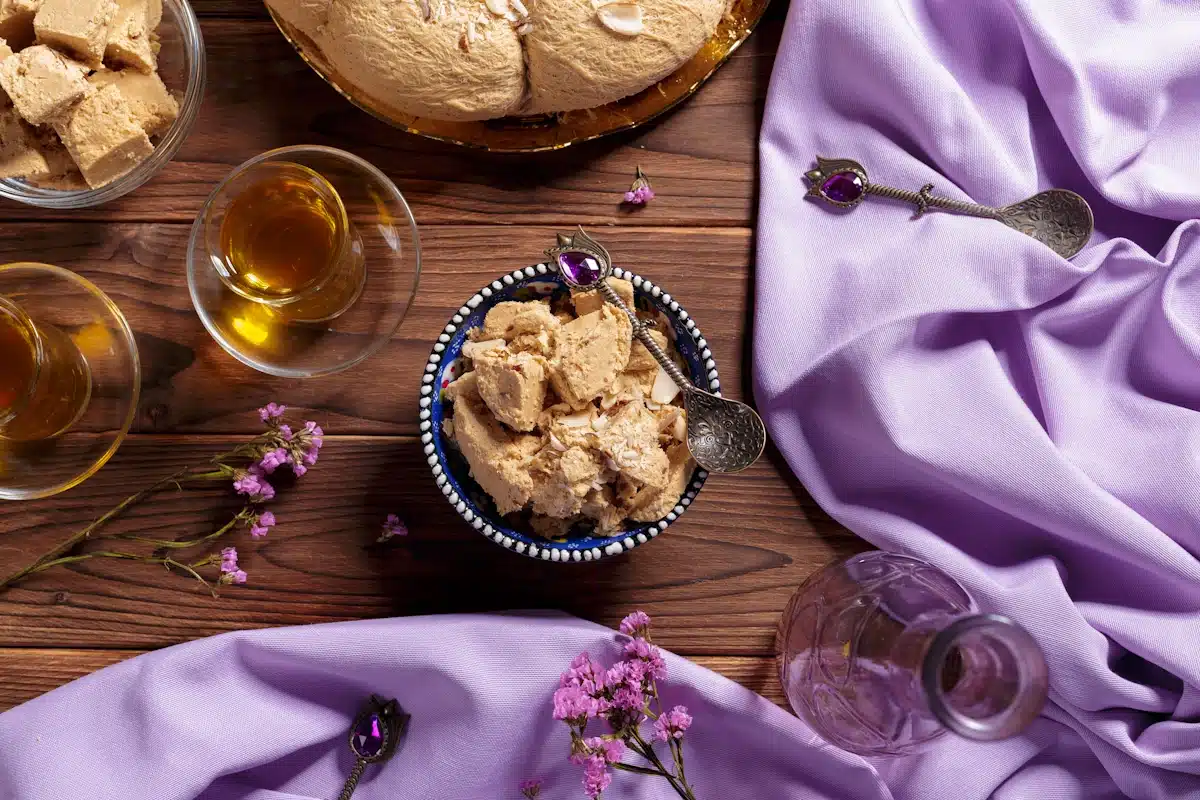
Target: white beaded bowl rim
583 549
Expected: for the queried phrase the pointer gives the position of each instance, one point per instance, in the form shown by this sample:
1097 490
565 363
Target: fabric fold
948 387
265 715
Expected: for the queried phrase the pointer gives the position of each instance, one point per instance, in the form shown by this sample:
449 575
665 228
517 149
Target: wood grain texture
716 580
141 266
701 157
26 673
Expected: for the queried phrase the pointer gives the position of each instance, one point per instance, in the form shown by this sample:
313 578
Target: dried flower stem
247 465
180 545
167 562
79 536
646 750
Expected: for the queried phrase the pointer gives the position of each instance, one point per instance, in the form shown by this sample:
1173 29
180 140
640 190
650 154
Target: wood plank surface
701 157
715 582
141 266
27 673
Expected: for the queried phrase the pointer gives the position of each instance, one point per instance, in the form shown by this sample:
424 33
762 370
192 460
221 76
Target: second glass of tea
45 383
278 234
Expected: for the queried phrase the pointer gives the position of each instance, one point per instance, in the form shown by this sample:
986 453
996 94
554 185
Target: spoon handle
643 336
926 199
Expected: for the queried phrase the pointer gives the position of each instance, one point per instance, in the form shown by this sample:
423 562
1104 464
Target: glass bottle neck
983 676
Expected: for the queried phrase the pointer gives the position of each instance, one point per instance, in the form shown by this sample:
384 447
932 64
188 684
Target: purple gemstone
843 187
370 736
579 267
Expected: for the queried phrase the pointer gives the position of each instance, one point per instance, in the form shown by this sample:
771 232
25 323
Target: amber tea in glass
45 383
281 237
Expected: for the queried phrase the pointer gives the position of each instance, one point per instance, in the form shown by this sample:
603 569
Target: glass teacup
277 233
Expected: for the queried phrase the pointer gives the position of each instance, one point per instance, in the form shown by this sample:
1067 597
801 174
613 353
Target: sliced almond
525 29
556 444
681 428
581 419
600 423
665 390
621 17
473 349
500 8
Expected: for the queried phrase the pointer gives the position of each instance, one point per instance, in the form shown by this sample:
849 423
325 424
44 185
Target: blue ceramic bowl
450 469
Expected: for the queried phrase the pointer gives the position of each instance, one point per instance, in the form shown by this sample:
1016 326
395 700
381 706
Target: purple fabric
950 388
265 715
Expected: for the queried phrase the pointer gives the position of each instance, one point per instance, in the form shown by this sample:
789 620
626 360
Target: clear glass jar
883 653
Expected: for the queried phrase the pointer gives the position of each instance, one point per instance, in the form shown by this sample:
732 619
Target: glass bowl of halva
553 432
96 96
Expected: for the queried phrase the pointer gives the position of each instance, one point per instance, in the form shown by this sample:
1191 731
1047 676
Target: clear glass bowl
181 64
58 297
266 337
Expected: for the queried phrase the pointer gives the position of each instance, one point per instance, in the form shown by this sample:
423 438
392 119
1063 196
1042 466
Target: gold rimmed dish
551 131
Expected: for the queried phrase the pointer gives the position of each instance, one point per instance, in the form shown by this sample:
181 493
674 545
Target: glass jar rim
1030 693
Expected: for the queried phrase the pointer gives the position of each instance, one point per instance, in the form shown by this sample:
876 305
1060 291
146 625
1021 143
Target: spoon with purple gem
722 435
374 735
1058 218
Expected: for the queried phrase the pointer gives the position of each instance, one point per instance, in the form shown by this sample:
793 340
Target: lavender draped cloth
950 388
265 715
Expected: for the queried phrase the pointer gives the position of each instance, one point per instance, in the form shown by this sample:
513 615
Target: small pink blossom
271 412
650 656
636 624
531 788
584 673
613 750
596 777
640 192
251 484
273 460
285 432
628 698
230 573
261 524
572 703
392 526
672 724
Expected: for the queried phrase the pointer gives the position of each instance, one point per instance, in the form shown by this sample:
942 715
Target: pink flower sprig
640 192
622 698
531 789
393 526
230 573
246 467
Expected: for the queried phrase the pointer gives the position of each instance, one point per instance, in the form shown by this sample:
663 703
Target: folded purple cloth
950 388
265 715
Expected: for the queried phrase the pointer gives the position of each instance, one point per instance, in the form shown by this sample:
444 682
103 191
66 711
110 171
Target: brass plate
551 131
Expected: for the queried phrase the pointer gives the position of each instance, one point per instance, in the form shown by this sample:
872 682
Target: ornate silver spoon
1058 218
374 735
722 435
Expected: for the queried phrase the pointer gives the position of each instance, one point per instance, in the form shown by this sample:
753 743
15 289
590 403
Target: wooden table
715 583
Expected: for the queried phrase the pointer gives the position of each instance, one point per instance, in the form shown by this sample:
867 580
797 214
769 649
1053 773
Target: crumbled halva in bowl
565 424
